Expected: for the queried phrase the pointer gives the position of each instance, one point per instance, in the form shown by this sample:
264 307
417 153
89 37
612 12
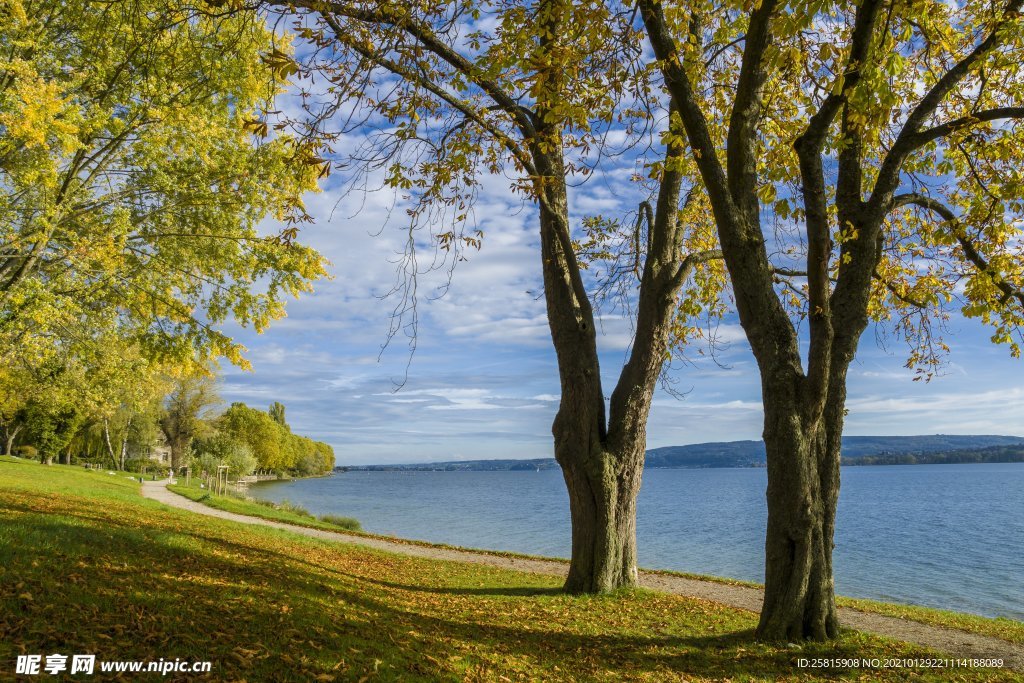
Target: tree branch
907 141
741 145
970 249
437 91
945 129
696 124
384 13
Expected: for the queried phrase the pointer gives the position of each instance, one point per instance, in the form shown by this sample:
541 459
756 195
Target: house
160 452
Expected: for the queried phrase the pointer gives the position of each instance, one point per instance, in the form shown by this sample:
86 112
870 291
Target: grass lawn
241 506
90 567
1004 629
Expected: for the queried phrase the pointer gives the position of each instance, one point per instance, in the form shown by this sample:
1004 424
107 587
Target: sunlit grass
264 509
90 567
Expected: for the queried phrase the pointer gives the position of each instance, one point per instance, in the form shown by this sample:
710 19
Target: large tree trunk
179 451
803 483
602 503
176 457
803 492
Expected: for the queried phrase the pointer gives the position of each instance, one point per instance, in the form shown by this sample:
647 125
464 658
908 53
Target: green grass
348 523
280 512
1005 629
91 567
1002 628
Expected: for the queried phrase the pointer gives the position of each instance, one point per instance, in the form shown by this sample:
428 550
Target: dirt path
958 643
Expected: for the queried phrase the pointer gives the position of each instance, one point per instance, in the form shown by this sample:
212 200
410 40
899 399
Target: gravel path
960 644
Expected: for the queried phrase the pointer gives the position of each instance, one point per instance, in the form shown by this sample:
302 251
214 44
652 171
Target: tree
51 427
225 449
43 405
15 390
184 409
451 91
884 137
121 387
130 183
325 454
276 412
262 434
272 443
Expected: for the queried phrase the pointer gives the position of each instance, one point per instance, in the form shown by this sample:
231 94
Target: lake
946 536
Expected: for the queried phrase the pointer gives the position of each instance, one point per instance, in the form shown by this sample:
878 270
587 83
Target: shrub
27 451
288 506
344 522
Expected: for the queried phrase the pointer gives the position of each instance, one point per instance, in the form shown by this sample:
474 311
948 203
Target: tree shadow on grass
262 614
517 591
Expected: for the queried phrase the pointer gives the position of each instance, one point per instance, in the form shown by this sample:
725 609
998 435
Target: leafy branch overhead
135 178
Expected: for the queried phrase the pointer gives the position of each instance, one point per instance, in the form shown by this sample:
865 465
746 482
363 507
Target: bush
135 464
344 522
288 506
284 506
27 451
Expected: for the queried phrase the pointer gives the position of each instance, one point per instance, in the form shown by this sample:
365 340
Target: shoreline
960 642
323 475
283 605
429 508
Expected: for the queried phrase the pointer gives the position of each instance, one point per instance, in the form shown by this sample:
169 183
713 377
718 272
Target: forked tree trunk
602 459
602 503
12 434
603 540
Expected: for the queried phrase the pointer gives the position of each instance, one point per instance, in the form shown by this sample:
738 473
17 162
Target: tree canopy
859 162
272 442
131 187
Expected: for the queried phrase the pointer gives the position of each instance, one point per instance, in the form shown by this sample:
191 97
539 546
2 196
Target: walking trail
960 644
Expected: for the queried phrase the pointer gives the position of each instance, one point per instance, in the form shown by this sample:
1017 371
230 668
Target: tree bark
602 487
11 434
799 598
110 447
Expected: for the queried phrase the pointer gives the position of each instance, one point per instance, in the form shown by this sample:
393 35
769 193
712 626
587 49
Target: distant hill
857 450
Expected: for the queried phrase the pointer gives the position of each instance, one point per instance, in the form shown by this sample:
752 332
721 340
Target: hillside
857 450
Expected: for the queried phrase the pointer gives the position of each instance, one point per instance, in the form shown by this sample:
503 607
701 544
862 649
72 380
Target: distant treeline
968 455
857 450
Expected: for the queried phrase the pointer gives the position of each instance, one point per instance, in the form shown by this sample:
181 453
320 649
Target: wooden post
222 484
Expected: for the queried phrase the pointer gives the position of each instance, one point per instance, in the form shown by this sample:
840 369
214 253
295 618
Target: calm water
948 536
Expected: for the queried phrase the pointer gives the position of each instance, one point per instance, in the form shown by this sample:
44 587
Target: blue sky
483 381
